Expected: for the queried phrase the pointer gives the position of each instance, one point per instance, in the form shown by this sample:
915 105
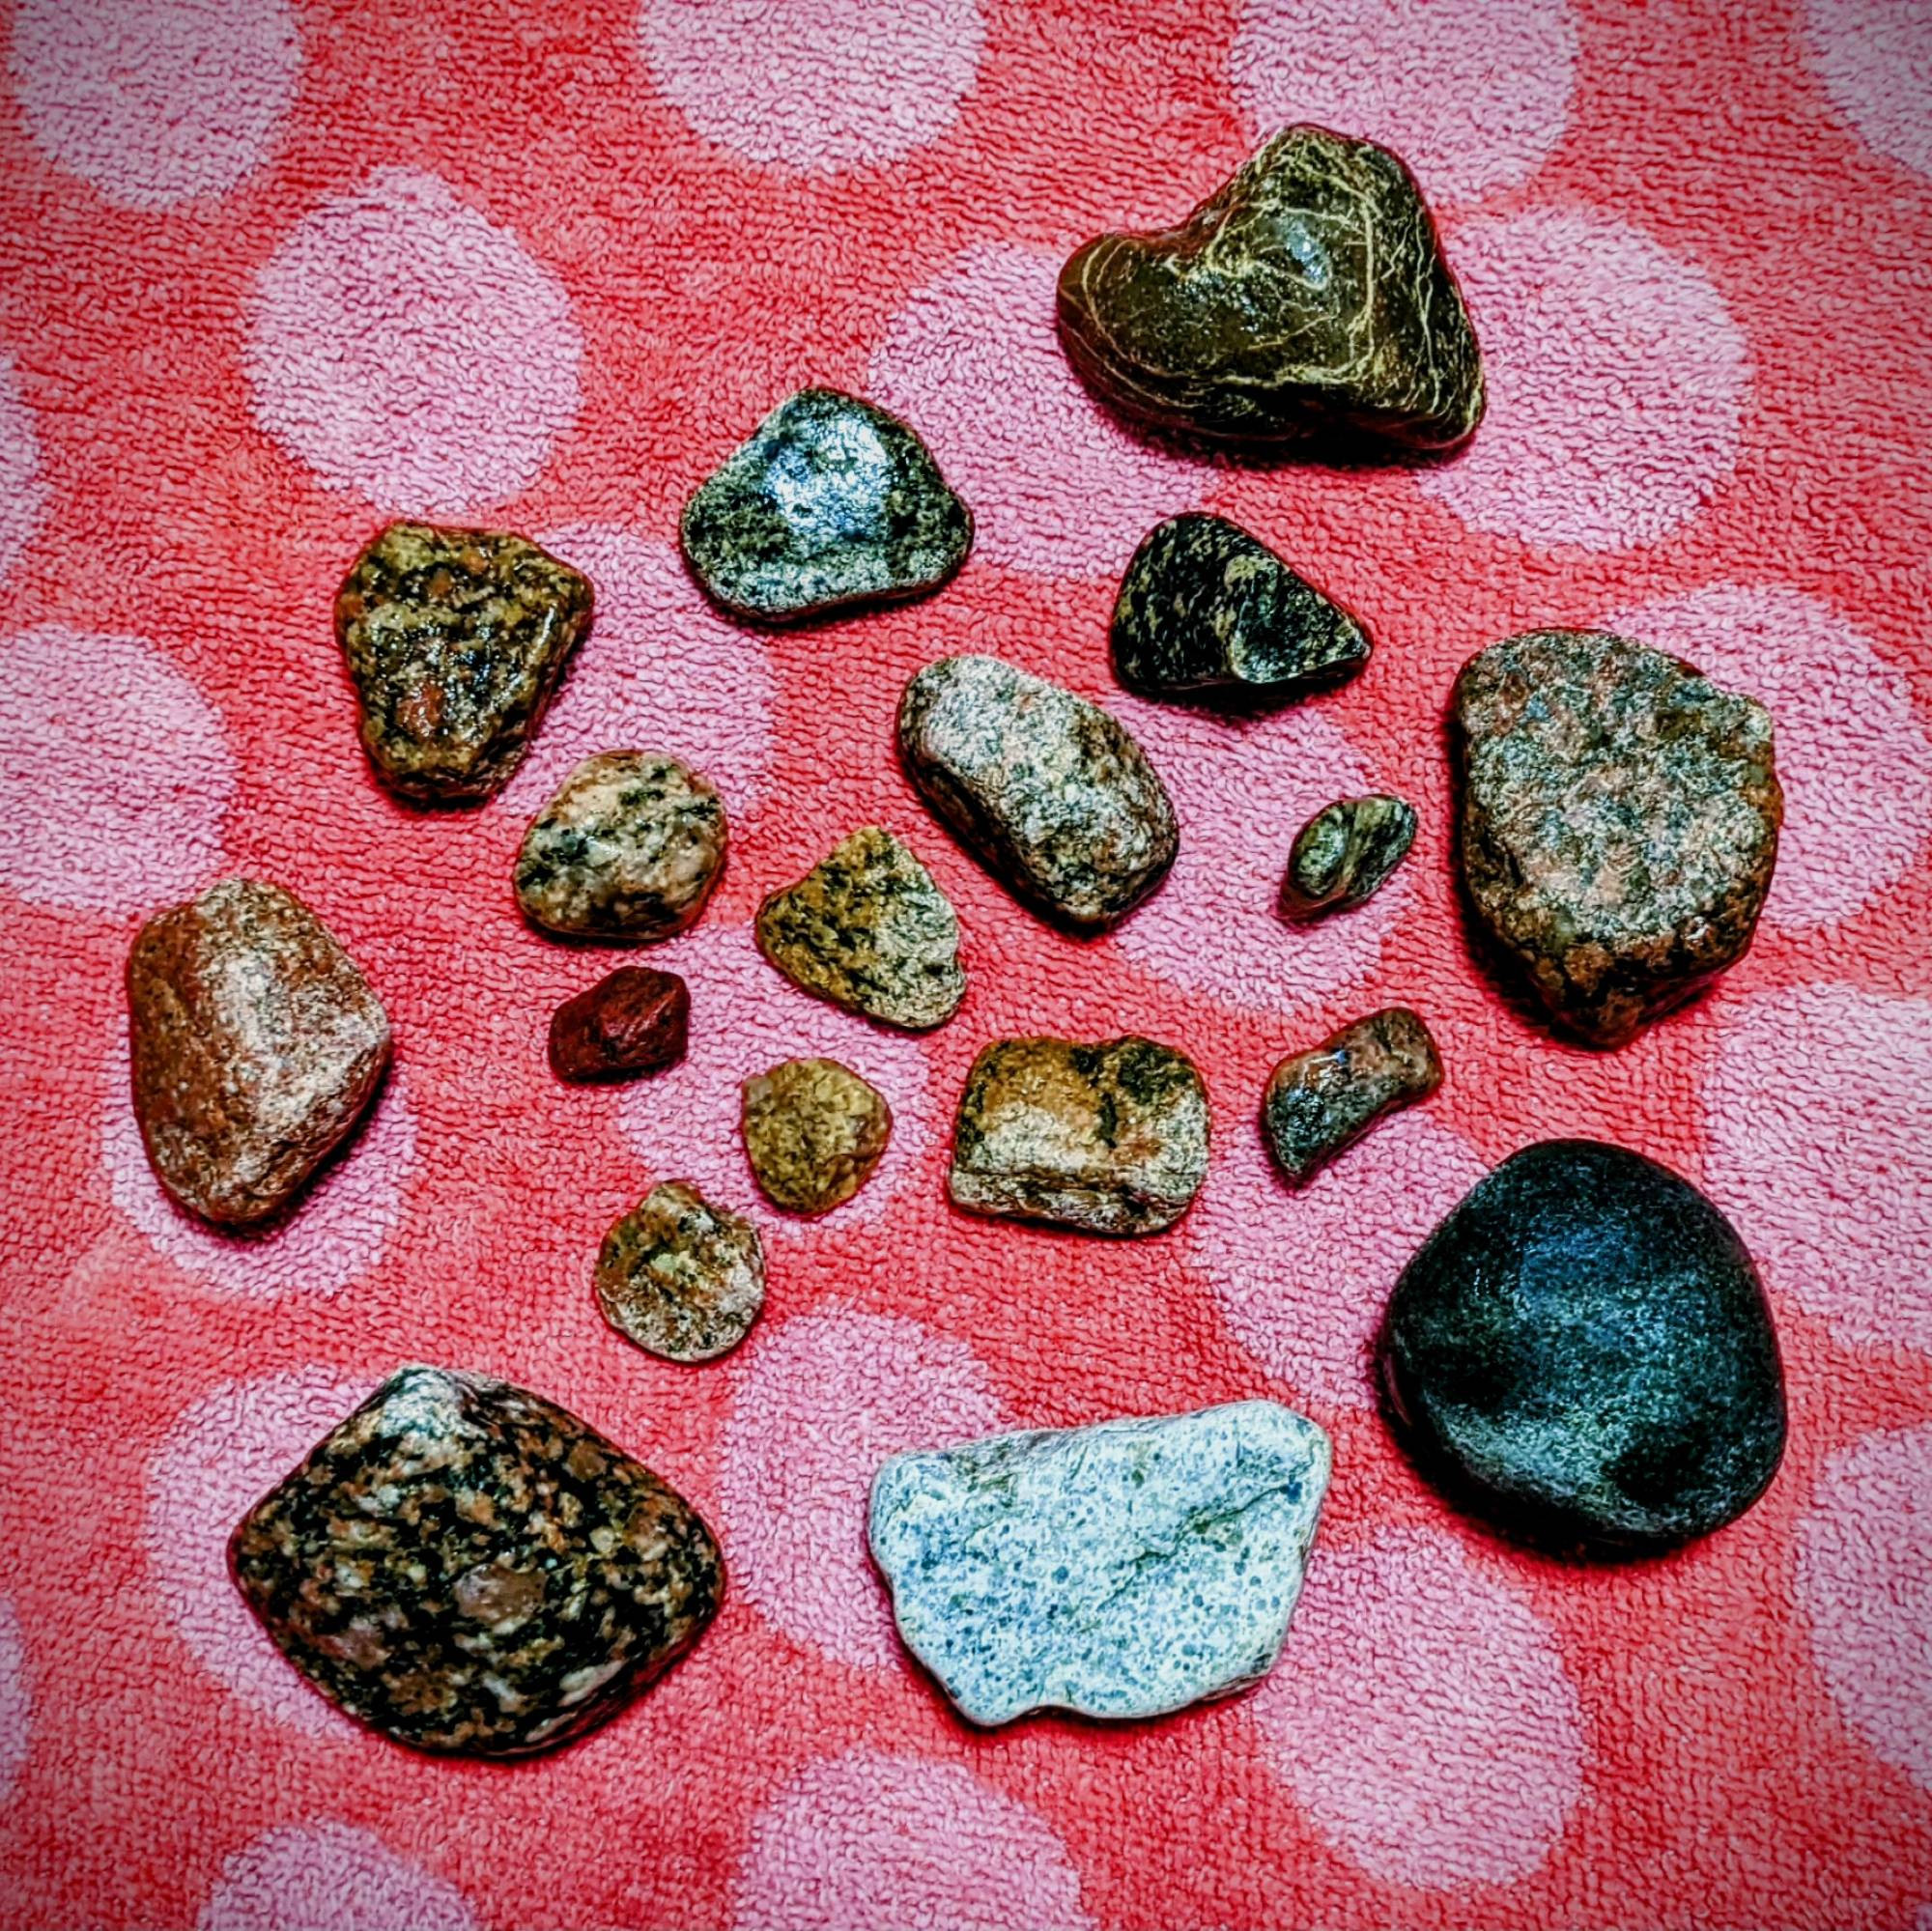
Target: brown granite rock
474 1571
813 1132
633 1021
1111 1138
629 848
256 1046
456 640
1344 854
1618 822
681 1278
1323 1100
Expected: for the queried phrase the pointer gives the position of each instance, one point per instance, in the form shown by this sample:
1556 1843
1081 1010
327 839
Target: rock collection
680 1277
1320 1101
1344 855
631 1022
813 1133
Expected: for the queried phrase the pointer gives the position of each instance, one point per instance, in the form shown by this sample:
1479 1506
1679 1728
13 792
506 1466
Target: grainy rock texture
473 1571
1307 296
456 640
1346 854
813 1133
832 502
1205 606
867 929
633 1021
1123 1569
256 1046
629 848
681 1278
1323 1100
1050 793
1111 1138
1618 822
1581 1352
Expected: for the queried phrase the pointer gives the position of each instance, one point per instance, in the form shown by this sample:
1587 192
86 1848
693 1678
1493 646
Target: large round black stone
1582 1352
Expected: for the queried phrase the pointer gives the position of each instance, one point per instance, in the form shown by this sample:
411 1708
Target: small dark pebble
633 1021
1320 1102
1346 854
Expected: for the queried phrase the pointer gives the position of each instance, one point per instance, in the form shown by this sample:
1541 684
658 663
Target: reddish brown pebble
631 1022
1320 1102
255 1043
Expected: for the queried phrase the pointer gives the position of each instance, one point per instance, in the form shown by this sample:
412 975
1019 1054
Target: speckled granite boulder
680 1277
1307 296
629 848
815 1131
1120 1571
1344 854
256 1046
456 640
1206 607
473 1571
1618 822
1581 1352
631 1022
1050 793
831 503
1111 1138
867 929
1320 1101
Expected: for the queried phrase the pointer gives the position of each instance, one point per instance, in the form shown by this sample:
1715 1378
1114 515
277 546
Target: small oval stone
814 1133
1320 1101
680 1277
633 1021
1346 854
1582 1352
629 849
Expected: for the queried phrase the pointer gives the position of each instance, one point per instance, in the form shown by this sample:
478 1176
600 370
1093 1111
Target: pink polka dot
868 1842
1875 59
1242 788
328 1877
155 101
1616 383
1819 1112
114 774
15 1700
973 362
1422 1716
746 1018
403 346
1471 98
220 1459
810 85
1853 759
661 670
1303 1277
335 1236
24 496
821 1402
1864 1577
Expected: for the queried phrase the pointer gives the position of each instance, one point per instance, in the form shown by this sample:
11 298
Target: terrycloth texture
278 268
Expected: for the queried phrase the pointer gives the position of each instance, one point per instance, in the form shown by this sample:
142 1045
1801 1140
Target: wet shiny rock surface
1320 1101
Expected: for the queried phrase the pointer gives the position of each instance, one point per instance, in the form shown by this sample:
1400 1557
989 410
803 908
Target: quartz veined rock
1581 1352
1344 854
632 1021
831 503
1618 822
1323 1100
456 640
1049 792
868 929
680 1277
256 1046
1308 297
1205 606
813 1133
1111 1138
473 1571
1123 1569
629 848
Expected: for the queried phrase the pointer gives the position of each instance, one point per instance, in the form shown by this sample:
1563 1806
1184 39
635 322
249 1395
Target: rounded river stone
683 1279
633 1021
814 1133
1344 854
1582 1352
1320 1101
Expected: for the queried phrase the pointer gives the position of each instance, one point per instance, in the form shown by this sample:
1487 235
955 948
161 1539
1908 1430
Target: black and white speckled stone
1323 1100
474 1571
1344 854
1582 1352
1120 1571
832 502
1206 607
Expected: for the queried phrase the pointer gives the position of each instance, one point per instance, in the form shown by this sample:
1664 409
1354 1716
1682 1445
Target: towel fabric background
278 268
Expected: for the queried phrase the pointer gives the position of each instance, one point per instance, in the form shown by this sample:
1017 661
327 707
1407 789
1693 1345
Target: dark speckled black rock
831 503
1581 1352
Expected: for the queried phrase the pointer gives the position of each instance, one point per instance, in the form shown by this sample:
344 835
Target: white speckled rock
1123 1569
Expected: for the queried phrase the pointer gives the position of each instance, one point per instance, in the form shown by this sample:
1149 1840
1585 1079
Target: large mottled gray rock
1049 792
1124 1569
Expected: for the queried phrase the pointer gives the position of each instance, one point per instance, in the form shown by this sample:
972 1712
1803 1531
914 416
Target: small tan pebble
681 1278
1323 1100
633 1021
813 1132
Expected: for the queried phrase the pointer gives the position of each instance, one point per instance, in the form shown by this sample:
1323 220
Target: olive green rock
815 1131
1346 854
